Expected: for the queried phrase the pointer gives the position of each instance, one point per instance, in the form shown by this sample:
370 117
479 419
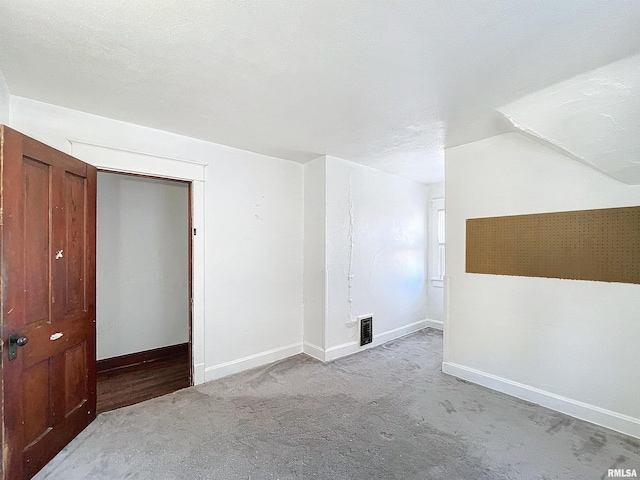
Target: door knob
16 341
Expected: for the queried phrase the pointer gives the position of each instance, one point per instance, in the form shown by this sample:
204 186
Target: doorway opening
144 290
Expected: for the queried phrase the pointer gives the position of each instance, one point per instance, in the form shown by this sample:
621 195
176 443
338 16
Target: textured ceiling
595 117
383 83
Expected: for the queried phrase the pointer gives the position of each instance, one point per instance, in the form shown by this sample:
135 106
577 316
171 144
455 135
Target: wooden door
48 297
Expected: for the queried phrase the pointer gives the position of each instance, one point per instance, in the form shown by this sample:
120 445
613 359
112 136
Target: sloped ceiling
384 83
594 117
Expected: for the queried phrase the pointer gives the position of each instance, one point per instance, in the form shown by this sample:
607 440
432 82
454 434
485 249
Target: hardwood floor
124 386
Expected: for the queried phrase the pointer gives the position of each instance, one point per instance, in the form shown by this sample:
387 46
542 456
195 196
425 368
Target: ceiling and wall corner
593 117
386 84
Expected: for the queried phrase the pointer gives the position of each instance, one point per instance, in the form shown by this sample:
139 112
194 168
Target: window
440 216
437 256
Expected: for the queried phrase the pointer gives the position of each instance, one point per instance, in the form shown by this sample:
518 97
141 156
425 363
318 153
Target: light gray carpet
387 413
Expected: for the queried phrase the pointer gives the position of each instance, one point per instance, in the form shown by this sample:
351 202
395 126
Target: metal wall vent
366 330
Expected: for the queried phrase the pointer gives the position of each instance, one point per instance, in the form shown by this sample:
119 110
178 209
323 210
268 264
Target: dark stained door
48 297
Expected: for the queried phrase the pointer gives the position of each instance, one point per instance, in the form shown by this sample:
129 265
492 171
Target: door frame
190 251
118 160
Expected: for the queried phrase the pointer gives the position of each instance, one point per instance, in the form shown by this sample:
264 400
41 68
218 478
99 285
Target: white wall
252 231
252 234
570 345
4 101
435 289
142 264
376 237
254 259
314 256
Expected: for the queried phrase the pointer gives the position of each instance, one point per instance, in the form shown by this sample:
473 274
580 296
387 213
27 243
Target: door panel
76 382
37 409
37 193
48 288
75 215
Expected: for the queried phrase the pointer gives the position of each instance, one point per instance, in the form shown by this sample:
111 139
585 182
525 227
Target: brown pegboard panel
601 245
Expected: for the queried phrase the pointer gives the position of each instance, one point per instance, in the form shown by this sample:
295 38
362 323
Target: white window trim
434 254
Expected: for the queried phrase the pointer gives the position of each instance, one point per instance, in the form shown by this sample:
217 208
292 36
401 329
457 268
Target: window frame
438 242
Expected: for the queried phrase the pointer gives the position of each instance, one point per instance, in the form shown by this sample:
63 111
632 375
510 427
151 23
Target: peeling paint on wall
376 246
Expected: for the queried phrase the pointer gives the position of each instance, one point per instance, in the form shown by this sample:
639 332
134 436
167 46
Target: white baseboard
378 339
437 324
313 351
584 411
228 368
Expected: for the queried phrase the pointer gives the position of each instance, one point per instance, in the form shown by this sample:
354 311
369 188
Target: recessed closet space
143 288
